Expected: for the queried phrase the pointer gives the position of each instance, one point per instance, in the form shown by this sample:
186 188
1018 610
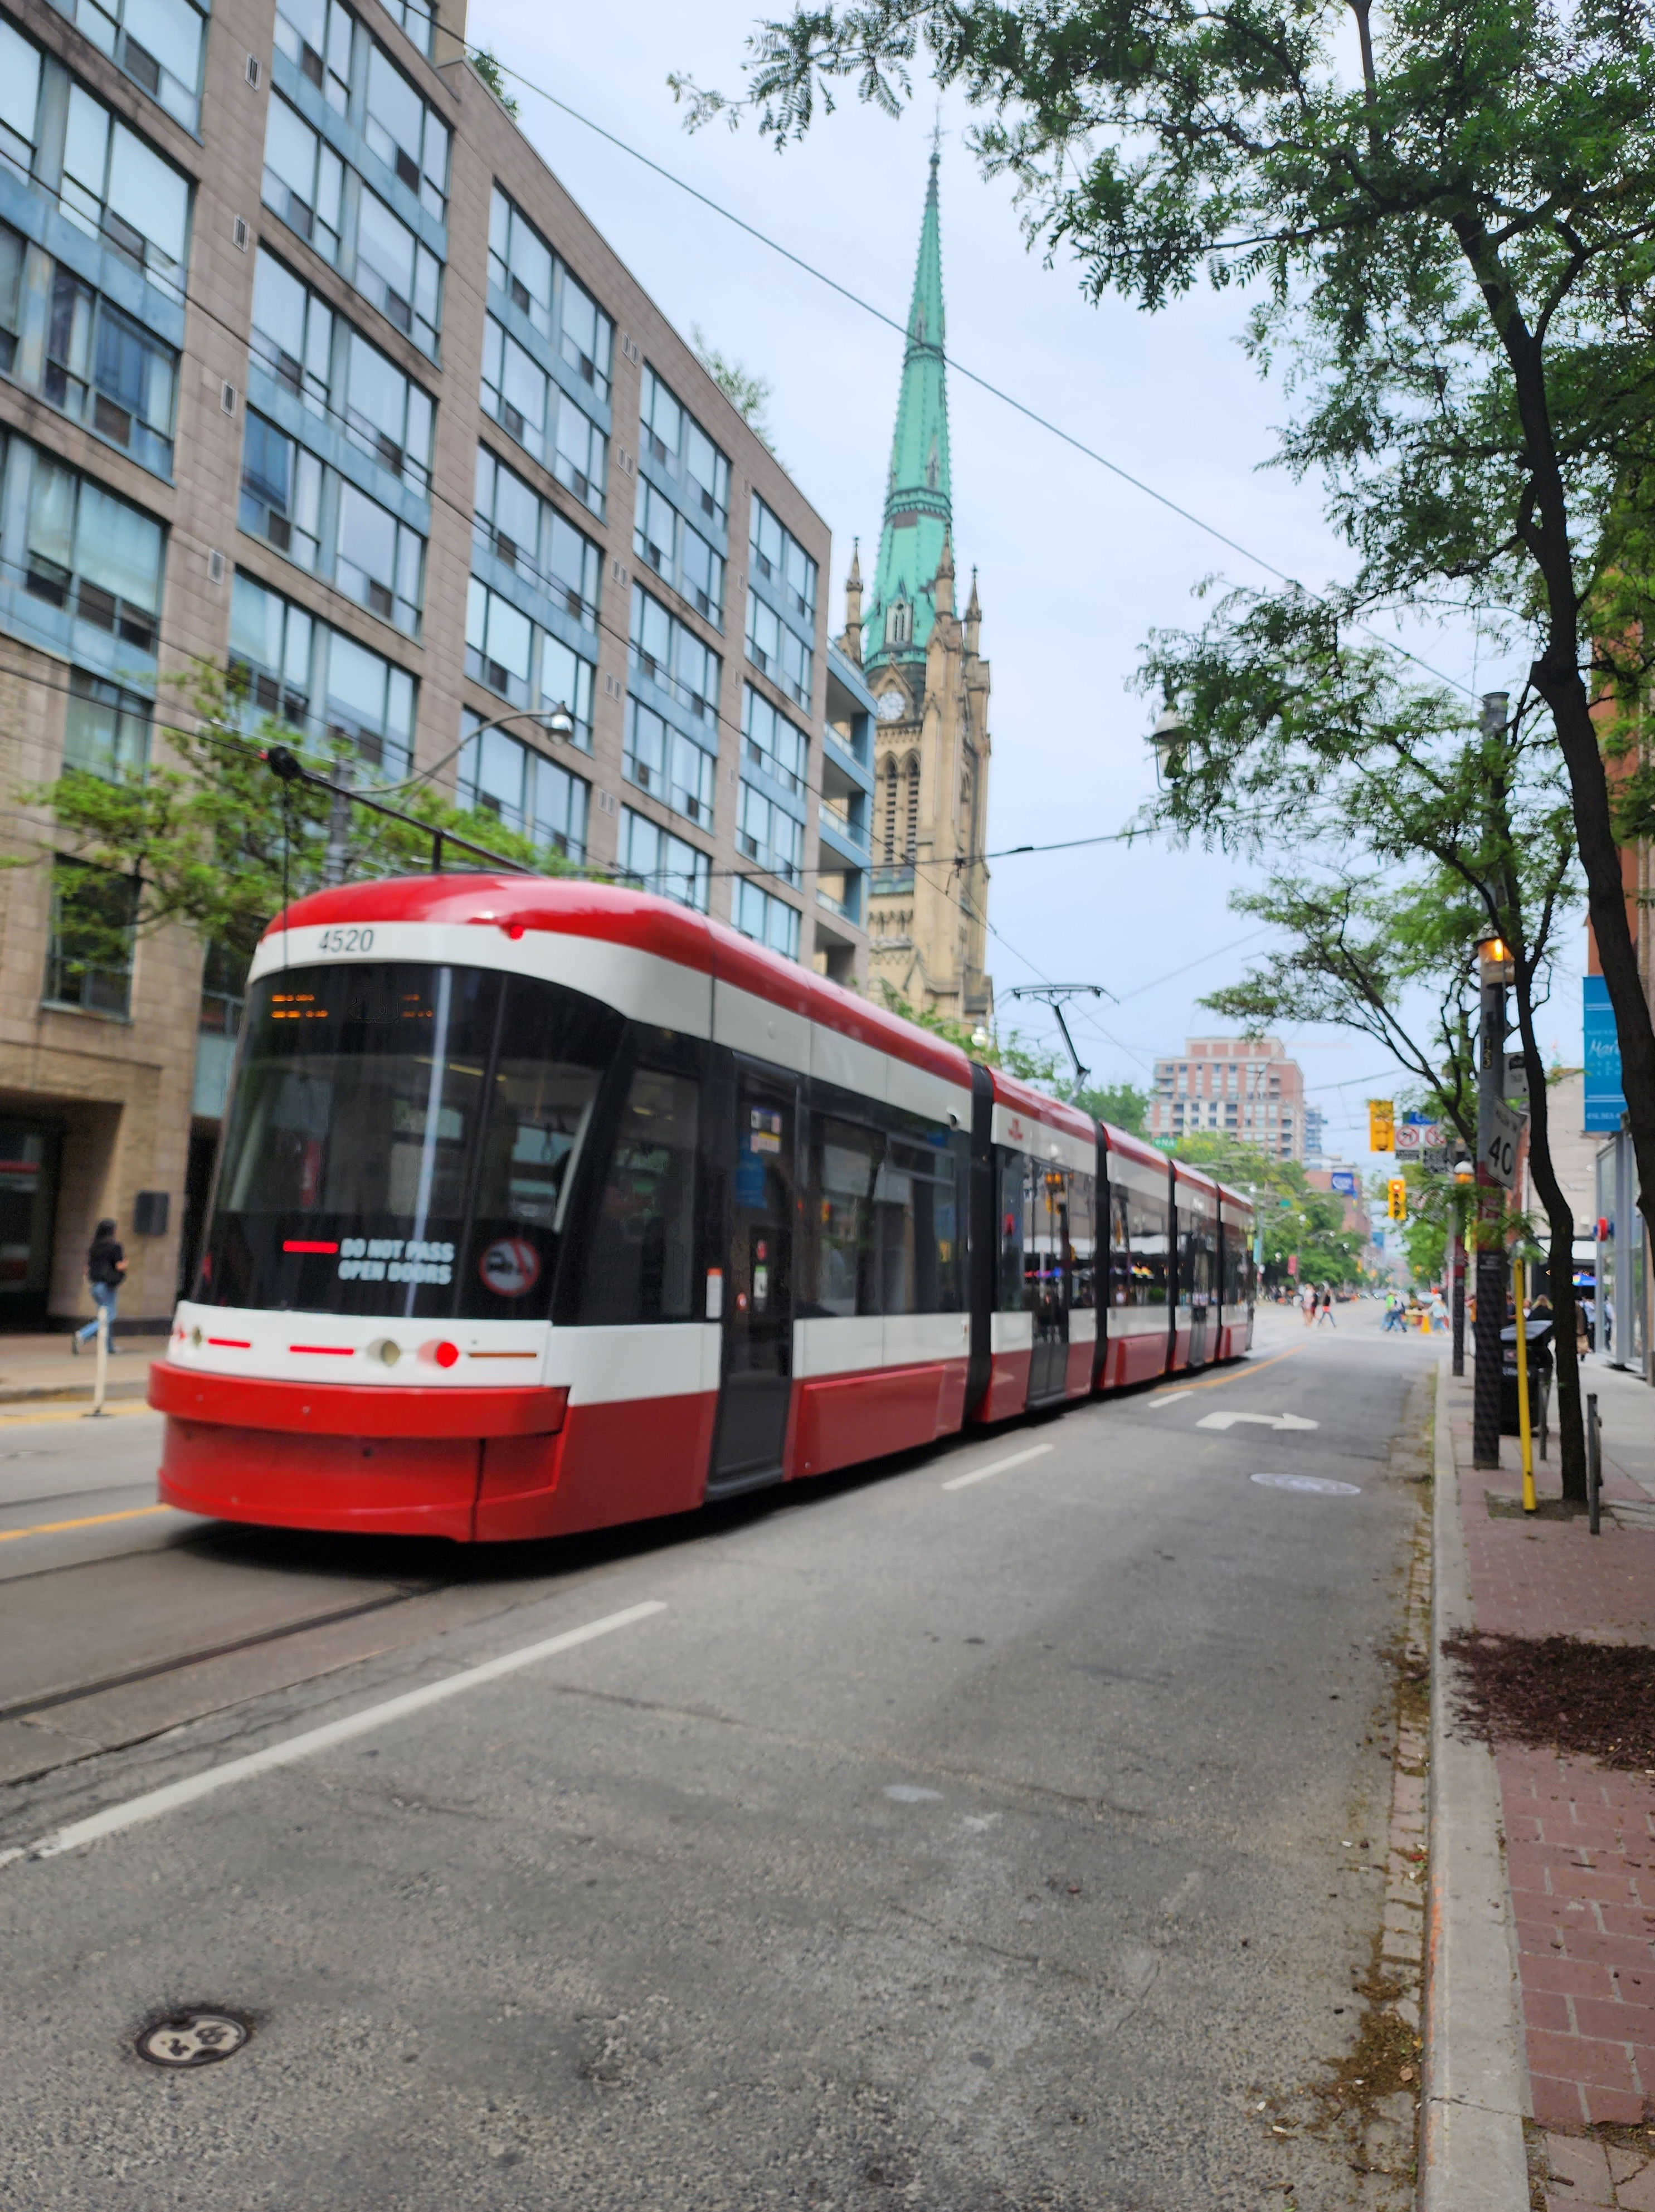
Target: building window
899 623
515 659
545 421
767 835
108 182
532 277
781 561
223 992
325 526
281 493
679 553
337 694
526 531
662 863
772 922
304 184
318 37
157 42
378 561
415 20
777 653
889 851
90 551
670 434
94 928
327 363
674 769
408 136
911 841
499 774
771 742
671 656
106 729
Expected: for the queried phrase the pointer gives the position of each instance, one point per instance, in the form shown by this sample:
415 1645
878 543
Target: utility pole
1457 1248
1490 1196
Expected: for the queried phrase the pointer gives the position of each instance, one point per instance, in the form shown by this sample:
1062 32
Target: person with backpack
1324 1305
105 1263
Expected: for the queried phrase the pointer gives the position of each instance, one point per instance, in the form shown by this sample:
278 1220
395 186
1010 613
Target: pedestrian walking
1324 1310
1307 1303
1438 1314
1393 1320
105 1263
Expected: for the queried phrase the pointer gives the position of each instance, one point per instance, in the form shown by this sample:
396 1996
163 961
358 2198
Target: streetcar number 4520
345 940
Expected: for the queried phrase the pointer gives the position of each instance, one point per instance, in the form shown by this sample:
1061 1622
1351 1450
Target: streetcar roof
1023 1098
617 915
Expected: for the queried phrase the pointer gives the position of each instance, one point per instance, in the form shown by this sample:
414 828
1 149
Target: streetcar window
1045 1235
401 1141
1008 1287
1147 1237
886 1214
1083 1240
1120 1252
640 1265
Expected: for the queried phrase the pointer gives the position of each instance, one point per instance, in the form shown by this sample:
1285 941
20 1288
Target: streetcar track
61 1496
54 1699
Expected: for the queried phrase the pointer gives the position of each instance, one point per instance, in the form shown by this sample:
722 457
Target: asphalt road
1001 1845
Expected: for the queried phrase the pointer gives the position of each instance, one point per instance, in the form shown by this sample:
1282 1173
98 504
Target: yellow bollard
1524 1429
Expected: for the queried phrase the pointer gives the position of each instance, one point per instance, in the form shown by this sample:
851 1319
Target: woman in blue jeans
105 1263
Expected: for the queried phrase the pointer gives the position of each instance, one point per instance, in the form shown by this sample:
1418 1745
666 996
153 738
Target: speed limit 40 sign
1500 1143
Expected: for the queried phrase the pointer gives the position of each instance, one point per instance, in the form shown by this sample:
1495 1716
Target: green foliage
493 75
1121 1104
218 842
748 394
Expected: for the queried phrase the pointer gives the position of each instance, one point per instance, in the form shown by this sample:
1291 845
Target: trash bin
1539 1351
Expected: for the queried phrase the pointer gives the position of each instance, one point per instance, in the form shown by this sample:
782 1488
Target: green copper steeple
917 514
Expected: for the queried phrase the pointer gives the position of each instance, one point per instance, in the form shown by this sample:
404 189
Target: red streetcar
543 1205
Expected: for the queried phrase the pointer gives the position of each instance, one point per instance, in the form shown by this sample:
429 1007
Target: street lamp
557 722
1170 741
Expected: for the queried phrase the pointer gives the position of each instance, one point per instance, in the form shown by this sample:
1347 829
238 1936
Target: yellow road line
75 1413
1232 1374
92 1521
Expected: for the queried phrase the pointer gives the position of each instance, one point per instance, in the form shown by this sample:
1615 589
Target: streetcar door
758 1374
1045 1258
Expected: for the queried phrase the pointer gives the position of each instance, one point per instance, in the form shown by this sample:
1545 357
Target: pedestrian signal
1397 1190
1381 1125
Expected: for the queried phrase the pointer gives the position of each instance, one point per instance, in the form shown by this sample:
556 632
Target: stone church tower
929 904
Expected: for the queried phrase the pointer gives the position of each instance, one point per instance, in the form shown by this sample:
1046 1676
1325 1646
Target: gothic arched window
899 623
911 844
891 811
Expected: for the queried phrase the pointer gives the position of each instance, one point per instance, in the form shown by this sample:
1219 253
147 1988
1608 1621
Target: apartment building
1243 1087
309 366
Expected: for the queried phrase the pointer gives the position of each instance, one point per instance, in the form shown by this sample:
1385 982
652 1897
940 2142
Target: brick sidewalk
1580 1839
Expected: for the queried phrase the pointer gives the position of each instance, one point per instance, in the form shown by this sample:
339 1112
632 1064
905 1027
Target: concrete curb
1472 2156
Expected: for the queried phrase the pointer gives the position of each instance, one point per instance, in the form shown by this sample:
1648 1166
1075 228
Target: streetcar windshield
403 1140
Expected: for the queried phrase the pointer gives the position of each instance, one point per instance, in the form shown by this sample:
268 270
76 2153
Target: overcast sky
1075 567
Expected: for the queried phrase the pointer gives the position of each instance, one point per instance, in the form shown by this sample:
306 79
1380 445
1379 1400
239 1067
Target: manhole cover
192 2038
1318 1486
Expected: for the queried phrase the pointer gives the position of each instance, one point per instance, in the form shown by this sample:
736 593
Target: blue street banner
1344 1181
1601 1054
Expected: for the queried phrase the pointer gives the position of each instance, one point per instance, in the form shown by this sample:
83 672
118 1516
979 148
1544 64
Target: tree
1383 774
488 68
217 843
748 394
1018 1054
1121 1104
1450 253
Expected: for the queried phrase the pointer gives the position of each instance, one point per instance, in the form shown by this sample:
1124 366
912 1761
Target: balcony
837 823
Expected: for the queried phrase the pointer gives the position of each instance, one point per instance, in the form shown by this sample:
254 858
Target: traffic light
1381 1125
1397 1192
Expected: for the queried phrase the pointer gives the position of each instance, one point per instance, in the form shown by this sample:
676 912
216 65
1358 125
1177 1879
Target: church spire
917 508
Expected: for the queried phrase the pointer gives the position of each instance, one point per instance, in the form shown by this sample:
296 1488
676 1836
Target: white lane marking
910 1793
1314 1485
1263 1420
1168 1396
995 1466
167 1799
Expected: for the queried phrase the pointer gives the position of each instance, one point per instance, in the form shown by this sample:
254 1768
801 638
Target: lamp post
1169 742
557 722
1494 966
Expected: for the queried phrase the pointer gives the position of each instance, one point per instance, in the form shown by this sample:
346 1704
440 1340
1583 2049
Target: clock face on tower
892 707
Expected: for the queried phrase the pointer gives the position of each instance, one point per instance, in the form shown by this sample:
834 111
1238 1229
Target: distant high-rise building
1316 1124
1243 1087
